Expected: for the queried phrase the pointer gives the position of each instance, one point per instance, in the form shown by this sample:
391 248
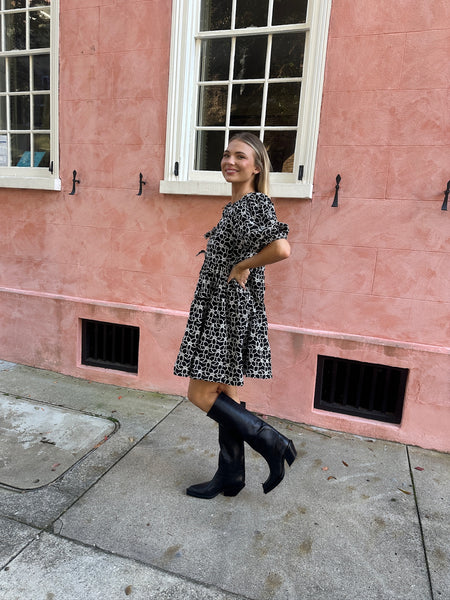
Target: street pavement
93 505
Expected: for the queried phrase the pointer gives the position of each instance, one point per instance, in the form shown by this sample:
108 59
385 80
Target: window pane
210 146
41 72
280 147
20 150
282 104
15 31
20 112
246 104
289 11
41 112
215 60
34 3
287 55
212 106
11 4
19 74
2 75
42 151
250 57
215 15
251 14
3 124
3 150
40 28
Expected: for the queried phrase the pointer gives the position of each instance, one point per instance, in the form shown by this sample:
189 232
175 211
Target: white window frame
41 177
182 102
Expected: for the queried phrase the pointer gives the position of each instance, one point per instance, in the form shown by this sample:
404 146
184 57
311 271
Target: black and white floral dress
226 333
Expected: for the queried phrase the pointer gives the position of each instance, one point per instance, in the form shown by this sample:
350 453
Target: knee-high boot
262 437
230 475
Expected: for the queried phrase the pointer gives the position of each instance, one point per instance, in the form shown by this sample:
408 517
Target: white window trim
42 178
181 102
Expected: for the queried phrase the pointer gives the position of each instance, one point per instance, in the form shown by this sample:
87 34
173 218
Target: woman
226 334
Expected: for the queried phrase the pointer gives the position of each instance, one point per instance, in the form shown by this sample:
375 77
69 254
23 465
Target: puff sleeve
255 222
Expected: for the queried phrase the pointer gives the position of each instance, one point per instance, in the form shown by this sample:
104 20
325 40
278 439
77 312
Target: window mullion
266 84
270 13
233 14
31 112
230 87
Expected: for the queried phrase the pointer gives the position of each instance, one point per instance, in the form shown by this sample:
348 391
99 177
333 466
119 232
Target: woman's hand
240 274
272 253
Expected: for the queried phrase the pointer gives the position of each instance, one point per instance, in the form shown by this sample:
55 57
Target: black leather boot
274 447
229 478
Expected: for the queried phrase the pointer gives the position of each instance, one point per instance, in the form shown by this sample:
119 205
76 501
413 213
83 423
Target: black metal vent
110 346
360 389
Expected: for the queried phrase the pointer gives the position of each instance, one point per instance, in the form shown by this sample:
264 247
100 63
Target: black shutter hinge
300 172
176 169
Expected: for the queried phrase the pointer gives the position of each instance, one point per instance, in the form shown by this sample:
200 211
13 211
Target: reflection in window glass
15 26
12 4
286 12
41 72
41 151
19 107
282 104
280 146
251 14
250 57
3 124
212 106
41 111
246 104
287 55
215 60
19 74
40 28
2 75
209 150
215 15
20 150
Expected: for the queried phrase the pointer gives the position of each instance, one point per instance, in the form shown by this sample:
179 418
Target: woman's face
238 163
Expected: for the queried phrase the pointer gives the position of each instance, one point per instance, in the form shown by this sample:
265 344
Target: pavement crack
419 519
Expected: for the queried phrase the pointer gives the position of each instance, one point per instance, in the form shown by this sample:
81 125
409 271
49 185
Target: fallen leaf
404 491
418 468
330 477
324 468
120 397
344 463
128 590
55 466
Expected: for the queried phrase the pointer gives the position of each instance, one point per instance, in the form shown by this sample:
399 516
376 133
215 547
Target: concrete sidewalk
106 515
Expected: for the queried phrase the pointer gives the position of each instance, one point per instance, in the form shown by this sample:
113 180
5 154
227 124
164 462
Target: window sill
31 183
211 188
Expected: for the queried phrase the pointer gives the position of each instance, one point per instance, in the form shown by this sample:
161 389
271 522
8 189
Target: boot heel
290 453
233 491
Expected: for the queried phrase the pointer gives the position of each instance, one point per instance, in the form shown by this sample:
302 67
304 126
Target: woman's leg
229 478
203 394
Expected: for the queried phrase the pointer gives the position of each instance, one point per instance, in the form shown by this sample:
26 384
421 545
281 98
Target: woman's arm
272 253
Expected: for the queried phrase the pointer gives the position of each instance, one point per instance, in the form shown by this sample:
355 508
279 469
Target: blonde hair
262 160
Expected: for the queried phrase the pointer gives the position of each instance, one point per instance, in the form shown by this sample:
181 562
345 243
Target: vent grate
110 346
360 389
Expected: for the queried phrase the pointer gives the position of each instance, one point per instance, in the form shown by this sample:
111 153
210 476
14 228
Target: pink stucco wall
368 280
